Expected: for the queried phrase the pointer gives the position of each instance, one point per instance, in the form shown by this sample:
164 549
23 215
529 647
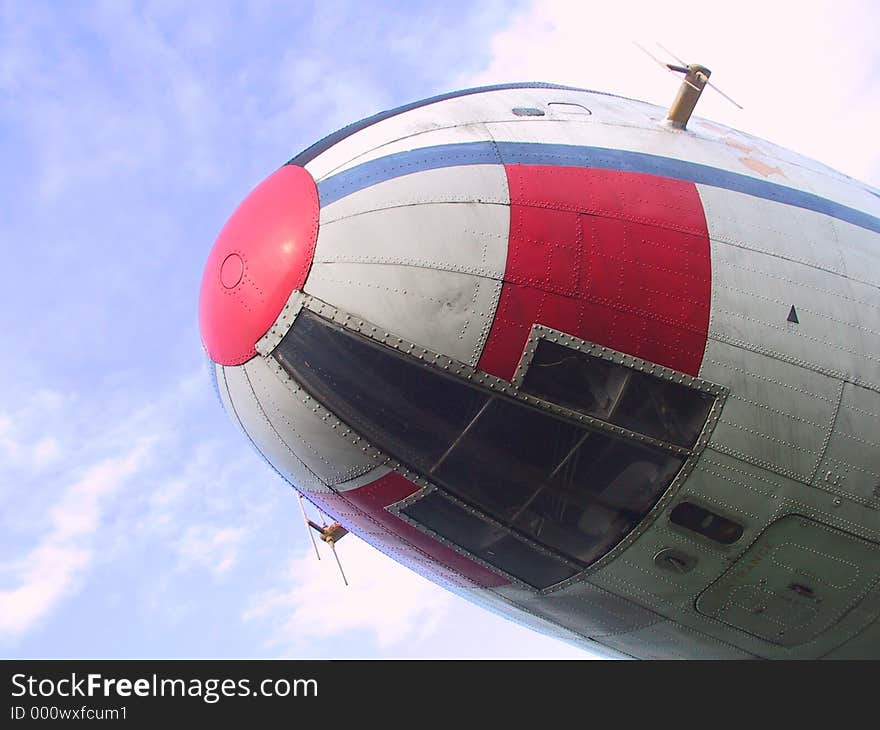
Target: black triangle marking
792 316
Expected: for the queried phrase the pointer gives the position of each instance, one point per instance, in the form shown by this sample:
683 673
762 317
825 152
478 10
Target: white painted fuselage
454 237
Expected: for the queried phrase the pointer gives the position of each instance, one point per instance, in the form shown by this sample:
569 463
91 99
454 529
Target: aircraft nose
262 254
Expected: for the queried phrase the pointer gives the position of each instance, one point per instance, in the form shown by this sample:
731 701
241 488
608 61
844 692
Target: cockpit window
544 496
490 543
635 400
378 392
567 488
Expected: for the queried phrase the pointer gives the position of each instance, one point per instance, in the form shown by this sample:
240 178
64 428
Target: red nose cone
262 254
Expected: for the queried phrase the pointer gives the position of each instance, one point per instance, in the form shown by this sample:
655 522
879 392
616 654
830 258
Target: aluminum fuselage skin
460 232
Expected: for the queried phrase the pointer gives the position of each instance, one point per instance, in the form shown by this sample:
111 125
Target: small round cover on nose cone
263 253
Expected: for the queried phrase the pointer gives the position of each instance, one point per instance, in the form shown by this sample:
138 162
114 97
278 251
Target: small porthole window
567 107
700 520
527 111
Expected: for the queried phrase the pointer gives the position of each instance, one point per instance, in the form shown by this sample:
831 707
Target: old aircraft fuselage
617 381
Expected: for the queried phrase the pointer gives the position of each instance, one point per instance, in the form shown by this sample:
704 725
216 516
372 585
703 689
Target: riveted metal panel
756 377
778 413
625 125
360 481
481 183
864 645
789 381
834 336
860 249
427 271
628 125
270 340
223 391
770 433
457 111
828 305
615 122
447 311
745 493
263 435
600 131
505 602
617 258
467 238
732 481
781 165
635 575
485 106
589 610
755 224
795 582
755 497
314 439
851 461
450 134
670 640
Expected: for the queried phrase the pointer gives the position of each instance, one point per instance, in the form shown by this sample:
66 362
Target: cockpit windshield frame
496 389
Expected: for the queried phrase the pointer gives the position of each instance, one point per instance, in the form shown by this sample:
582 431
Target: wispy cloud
384 601
22 445
47 573
215 548
77 473
86 126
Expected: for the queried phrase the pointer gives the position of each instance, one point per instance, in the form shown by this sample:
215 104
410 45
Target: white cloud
24 442
50 570
25 448
46 452
9 444
89 126
389 603
805 73
65 461
214 548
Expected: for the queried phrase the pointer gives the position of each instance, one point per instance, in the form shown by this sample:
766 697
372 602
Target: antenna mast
330 534
695 79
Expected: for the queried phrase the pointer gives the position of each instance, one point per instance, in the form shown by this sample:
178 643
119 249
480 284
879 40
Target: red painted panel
263 253
616 258
364 510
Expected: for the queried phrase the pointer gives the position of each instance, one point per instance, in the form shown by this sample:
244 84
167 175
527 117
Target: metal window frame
397 510
718 392
300 300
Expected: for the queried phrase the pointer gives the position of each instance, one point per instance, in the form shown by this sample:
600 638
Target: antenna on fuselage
696 78
330 534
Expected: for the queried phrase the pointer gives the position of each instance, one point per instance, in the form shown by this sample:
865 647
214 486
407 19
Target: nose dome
263 253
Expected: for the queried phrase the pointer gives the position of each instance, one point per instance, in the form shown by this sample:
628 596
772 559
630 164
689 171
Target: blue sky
134 519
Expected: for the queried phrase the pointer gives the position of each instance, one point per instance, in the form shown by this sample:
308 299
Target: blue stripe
398 164
533 153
